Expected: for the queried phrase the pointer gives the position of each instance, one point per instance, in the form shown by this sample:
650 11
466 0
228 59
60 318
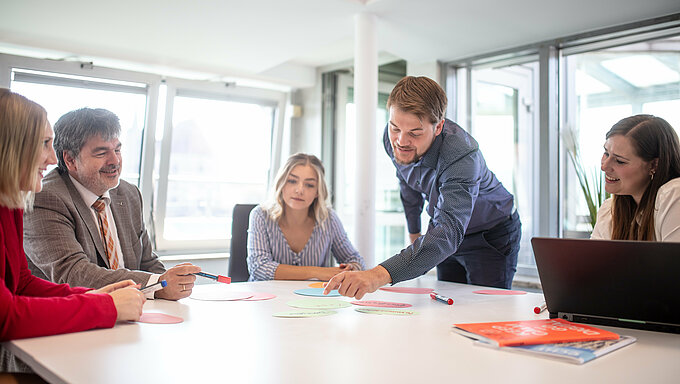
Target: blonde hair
421 96
22 126
318 210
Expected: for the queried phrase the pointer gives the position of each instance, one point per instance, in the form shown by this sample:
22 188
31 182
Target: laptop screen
623 283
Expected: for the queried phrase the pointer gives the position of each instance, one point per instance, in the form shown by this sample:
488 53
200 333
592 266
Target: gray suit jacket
62 240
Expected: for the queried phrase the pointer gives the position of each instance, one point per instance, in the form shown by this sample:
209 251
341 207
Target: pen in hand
218 278
154 287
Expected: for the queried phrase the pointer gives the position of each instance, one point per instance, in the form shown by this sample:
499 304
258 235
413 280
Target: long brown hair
652 138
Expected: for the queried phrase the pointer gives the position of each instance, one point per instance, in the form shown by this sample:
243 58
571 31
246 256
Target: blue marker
154 287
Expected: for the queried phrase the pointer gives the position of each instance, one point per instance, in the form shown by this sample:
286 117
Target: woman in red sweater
30 306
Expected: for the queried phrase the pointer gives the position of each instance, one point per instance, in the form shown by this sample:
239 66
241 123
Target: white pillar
366 102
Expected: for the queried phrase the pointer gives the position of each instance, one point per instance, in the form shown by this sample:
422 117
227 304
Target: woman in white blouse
294 236
641 162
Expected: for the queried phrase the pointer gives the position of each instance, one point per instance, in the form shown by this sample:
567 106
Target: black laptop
632 284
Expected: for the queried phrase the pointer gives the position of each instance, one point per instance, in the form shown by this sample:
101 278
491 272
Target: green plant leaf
591 179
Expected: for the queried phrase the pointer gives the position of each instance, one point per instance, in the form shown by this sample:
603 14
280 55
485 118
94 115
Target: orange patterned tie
111 251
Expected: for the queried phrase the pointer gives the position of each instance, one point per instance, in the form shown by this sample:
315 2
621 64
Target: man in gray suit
86 227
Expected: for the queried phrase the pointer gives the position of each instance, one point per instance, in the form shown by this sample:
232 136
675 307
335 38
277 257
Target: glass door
503 121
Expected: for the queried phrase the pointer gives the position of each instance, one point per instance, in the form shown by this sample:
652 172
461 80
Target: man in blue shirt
474 233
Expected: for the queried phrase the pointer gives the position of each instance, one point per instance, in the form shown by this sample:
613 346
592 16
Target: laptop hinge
615 322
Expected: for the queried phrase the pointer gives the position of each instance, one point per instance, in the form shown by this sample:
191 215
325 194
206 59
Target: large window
194 148
220 156
604 86
59 94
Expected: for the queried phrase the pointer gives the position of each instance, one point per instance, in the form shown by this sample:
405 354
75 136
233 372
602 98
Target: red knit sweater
30 306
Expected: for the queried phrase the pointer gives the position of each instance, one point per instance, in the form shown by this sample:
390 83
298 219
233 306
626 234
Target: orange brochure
530 332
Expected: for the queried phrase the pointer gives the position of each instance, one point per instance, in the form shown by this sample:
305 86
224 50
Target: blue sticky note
316 292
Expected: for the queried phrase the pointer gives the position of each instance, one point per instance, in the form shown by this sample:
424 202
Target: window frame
214 91
279 100
79 68
551 100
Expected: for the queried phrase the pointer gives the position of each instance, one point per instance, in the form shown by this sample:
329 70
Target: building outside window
60 93
602 87
220 156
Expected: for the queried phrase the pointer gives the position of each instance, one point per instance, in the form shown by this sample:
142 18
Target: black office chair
238 266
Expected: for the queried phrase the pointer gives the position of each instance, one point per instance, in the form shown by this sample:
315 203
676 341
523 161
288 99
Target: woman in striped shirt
293 236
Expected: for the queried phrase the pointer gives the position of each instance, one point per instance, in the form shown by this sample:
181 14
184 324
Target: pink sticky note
257 296
221 292
499 292
408 290
159 318
384 304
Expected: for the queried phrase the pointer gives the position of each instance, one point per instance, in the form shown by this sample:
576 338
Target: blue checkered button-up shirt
463 197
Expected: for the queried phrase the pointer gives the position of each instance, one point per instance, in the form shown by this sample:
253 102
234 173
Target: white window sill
194 256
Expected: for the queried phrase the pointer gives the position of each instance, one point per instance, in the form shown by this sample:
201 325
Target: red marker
443 299
218 278
540 308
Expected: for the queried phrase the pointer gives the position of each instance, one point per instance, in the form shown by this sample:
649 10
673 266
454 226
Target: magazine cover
545 331
577 352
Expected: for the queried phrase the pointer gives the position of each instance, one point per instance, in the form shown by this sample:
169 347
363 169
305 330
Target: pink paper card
257 296
159 318
408 290
383 304
219 295
499 292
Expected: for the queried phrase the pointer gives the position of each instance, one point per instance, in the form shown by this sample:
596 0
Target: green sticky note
319 303
305 313
385 311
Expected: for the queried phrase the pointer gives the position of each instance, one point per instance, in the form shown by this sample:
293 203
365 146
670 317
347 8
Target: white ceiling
285 41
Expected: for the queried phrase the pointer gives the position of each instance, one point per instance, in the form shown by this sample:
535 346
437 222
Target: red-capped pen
443 299
218 278
540 308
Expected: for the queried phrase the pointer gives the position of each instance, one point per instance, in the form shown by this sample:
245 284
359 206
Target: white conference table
240 341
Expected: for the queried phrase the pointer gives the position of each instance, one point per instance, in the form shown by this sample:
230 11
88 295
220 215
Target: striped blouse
267 247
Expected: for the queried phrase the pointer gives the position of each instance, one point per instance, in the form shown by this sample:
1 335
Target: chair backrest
238 266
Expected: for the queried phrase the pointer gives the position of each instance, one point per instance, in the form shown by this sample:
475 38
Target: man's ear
439 127
70 161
